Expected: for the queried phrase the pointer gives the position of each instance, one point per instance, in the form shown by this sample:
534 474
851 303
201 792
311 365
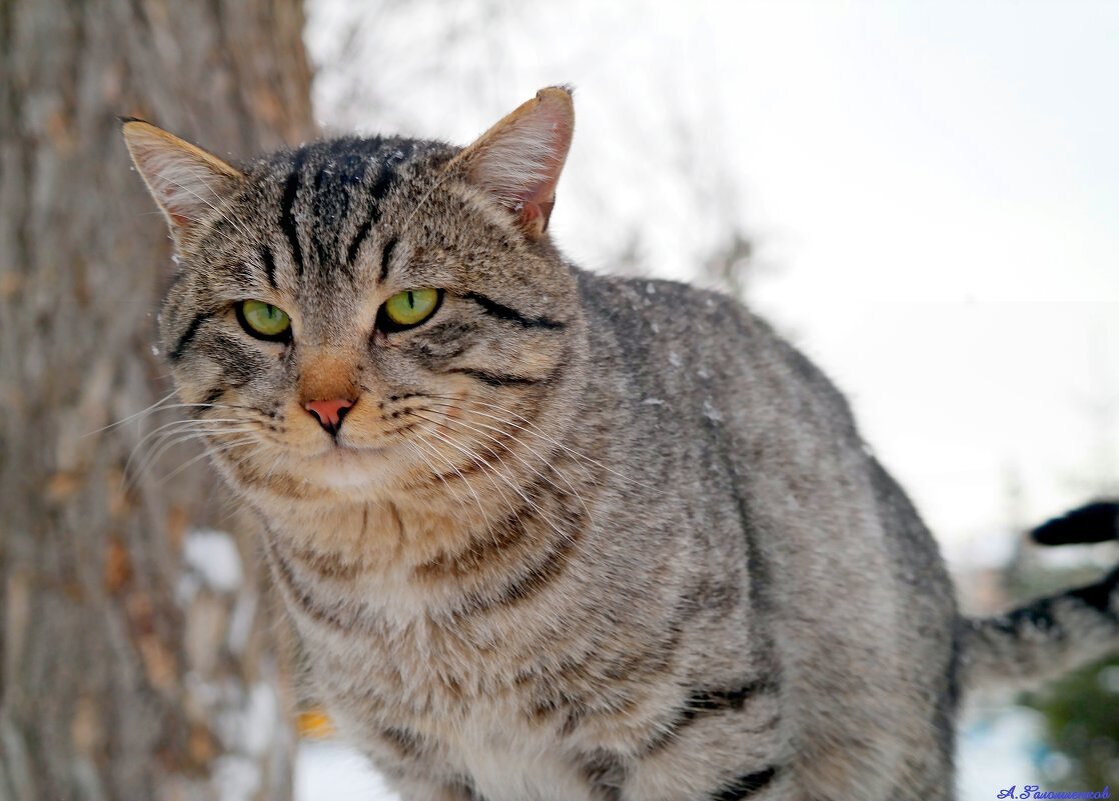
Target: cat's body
668 633
576 537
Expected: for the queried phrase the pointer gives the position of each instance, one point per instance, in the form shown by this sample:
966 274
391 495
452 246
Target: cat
547 534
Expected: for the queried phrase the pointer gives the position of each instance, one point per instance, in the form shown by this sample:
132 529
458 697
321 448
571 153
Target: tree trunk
136 659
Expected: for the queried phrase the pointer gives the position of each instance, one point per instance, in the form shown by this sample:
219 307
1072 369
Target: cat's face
365 315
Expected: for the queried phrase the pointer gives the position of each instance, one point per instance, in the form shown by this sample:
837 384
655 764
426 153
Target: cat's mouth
348 450
346 466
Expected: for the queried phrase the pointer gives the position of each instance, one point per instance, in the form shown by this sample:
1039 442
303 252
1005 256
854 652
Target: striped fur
578 537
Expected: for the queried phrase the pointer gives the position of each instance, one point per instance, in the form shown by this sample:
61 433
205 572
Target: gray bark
128 670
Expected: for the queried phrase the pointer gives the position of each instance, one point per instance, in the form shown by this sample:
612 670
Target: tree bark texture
136 660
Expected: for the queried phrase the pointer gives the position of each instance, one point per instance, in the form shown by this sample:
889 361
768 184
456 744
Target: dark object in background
1095 522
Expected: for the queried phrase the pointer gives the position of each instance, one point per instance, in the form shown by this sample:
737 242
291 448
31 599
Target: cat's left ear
187 182
519 160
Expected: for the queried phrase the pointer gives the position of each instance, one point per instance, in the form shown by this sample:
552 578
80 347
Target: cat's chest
511 761
477 694
468 719
459 704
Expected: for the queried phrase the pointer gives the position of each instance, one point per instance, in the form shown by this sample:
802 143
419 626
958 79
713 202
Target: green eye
406 309
263 320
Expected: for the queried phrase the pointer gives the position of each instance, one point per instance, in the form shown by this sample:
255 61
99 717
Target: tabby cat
554 536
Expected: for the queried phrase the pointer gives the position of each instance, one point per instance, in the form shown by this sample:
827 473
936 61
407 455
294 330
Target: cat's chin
345 467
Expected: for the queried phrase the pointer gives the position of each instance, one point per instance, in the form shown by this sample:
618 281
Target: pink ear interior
519 160
187 182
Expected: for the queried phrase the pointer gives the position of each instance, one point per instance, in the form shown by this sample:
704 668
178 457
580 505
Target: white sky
933 187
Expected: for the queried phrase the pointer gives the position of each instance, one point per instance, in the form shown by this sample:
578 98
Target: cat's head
360 315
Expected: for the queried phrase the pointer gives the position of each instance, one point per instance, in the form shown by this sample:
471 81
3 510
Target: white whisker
176 427
489 472
535 430
208 452
476 427
473 457
423 442
169 440
149 410
161 405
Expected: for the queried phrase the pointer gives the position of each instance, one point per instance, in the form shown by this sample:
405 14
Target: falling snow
711 413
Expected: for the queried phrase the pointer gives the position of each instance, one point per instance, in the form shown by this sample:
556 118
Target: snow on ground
211 558
328 771
999 746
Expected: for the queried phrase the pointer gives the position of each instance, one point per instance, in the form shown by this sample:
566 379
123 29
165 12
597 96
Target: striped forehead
332 197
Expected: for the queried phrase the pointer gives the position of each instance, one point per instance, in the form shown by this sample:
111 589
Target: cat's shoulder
664 302
664 321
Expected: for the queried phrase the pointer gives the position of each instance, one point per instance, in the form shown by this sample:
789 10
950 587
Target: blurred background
922 196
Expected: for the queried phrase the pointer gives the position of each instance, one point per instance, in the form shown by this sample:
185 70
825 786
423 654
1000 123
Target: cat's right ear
187 182
518 161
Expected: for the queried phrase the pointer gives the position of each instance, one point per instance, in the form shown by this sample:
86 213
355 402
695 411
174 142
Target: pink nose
329 413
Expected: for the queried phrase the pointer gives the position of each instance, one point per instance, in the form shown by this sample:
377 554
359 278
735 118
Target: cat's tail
1053 635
